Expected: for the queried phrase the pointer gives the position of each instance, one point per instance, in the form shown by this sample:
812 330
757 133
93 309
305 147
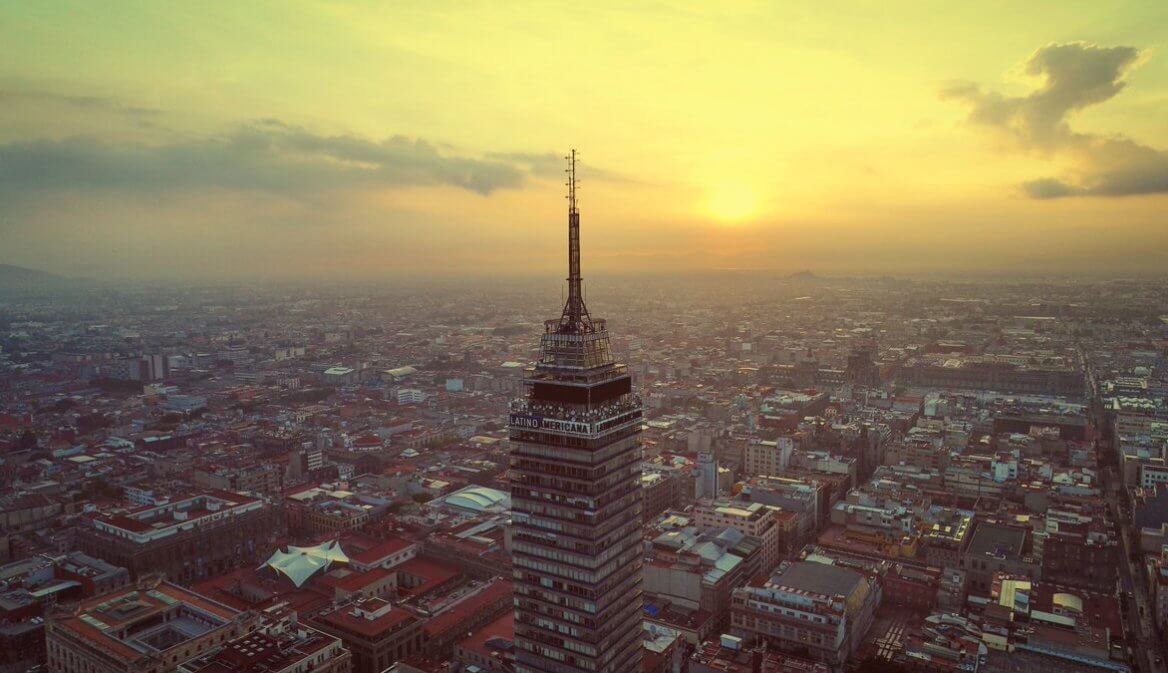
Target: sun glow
732 203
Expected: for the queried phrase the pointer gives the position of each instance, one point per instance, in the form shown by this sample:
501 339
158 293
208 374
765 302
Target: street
1139 615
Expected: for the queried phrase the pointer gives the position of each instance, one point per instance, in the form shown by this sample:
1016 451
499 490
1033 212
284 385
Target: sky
366 140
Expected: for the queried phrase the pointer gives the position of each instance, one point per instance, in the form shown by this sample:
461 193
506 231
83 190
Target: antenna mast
575 317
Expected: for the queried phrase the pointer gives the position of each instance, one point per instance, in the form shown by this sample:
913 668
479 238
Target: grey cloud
10 95
1075 76
267 155
1049 188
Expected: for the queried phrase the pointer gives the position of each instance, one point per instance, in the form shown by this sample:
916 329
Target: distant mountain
803 275
23 280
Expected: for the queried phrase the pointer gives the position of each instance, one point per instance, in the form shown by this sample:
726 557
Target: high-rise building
706 477
576 495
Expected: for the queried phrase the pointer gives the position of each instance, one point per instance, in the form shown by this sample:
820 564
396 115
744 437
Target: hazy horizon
550 281
360 142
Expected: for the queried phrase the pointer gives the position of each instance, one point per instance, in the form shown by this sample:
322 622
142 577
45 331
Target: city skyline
859 361
798 474
354 142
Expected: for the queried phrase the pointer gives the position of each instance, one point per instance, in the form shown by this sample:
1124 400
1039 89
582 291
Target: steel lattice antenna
575 317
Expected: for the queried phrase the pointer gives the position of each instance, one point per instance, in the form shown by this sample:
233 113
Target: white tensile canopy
300 563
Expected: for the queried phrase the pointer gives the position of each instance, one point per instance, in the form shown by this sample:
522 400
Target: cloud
1074 76
551 165
16 95
1049 188
266 155
545 165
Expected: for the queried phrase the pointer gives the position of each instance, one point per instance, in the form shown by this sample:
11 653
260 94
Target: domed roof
478 499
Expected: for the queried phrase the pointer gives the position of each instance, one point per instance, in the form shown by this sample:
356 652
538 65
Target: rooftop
368 617
997 540
300 563
478 499
261 652
496 639
817 578
137 622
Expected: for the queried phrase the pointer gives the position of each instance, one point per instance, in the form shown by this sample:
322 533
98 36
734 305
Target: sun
732 203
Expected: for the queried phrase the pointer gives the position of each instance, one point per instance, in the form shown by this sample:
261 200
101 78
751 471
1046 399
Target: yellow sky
254 136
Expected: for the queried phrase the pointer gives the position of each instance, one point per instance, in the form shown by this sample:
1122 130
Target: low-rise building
994 548
375 631
488 649
276 648
753 519
808 609
153 627
188 538
695 570
727 655
34 586
945 642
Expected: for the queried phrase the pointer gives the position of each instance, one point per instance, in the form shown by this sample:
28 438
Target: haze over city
358 141
536 337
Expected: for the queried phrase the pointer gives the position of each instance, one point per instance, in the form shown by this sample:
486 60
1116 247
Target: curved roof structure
300 563
1068 602
478 499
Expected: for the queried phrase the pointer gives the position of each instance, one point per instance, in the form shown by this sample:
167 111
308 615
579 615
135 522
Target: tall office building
575 495
706 476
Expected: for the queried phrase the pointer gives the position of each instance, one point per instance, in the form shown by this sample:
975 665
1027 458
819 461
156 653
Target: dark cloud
1049 188
16 95
267 155
1075 75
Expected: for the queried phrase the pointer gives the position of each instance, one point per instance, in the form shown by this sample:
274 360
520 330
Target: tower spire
575 317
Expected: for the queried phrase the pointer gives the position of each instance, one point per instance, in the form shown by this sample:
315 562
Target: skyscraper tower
576 495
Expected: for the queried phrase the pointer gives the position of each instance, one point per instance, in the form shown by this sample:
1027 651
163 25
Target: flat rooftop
997 540
817 578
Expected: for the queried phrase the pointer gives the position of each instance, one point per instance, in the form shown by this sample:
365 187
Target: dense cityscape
932 475
647 336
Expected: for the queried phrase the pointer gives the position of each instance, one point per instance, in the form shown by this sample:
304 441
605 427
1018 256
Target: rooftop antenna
575 317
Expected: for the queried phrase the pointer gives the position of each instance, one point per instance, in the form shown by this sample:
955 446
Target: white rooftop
300 563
